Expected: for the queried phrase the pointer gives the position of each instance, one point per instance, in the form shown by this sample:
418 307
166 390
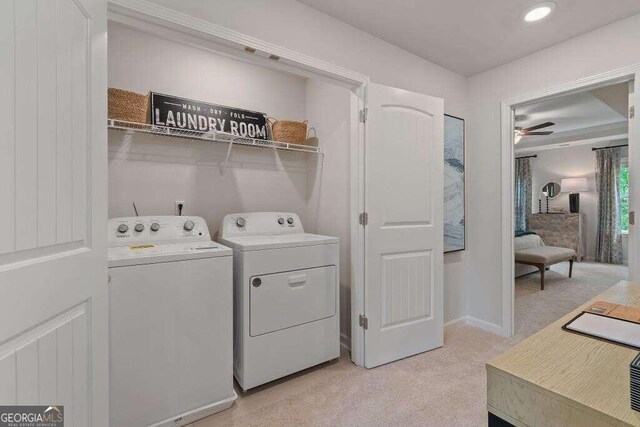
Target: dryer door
283 300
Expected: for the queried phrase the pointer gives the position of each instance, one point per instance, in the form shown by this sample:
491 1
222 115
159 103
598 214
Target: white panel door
53 272
404 235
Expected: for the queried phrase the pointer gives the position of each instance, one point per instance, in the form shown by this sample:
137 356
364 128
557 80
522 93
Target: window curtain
522 194
609 235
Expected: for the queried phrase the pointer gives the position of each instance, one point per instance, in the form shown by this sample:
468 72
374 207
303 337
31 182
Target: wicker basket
288 131
129 106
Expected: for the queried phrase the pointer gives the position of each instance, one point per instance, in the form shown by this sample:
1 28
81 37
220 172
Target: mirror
551 189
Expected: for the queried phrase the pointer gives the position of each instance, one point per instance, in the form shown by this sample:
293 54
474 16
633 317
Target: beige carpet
535 309
444 387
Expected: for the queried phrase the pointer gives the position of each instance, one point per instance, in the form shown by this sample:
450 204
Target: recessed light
539 11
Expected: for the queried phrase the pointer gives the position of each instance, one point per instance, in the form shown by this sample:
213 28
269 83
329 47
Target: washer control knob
290 221
256 282
241 222
123 228
188 225
281 221
139 227
155 226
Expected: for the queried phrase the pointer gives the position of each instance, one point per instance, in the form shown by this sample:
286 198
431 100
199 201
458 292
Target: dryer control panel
260 224
159 229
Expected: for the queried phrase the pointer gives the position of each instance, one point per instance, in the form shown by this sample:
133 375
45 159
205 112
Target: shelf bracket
223 170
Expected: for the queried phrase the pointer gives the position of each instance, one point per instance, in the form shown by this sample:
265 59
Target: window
624 196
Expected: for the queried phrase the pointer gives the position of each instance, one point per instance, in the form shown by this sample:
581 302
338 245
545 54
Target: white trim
477 323
633 253
573 143
508 266
153 18
621 75
358 136
454 321
485 326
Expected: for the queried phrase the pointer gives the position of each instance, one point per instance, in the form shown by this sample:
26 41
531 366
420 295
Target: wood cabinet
562 230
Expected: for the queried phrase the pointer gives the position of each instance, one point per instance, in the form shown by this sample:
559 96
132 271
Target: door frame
621 75
162 21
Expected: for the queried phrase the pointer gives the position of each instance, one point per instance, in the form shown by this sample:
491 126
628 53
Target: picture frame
454 227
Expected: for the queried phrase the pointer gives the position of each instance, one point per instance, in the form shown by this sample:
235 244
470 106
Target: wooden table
558 378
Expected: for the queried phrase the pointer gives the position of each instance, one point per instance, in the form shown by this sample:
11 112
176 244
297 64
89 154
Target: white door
404 236
53 272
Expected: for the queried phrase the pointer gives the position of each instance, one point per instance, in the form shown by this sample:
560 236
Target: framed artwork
454 213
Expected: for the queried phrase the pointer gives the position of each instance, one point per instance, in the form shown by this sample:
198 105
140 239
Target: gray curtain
609 236
522 194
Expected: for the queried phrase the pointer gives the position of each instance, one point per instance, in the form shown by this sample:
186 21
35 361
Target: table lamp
573 186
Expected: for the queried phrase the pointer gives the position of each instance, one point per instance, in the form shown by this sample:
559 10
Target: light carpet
443 387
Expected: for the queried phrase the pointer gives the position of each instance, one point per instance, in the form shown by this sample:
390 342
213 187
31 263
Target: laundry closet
156 171
205 144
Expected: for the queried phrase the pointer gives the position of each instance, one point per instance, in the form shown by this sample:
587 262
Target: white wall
298 27
329 181
604 49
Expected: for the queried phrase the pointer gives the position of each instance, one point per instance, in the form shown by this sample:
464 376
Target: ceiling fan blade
546 132
540 126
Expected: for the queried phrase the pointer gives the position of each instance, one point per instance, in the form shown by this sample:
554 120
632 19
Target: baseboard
454 321
345 341
484 325
472 321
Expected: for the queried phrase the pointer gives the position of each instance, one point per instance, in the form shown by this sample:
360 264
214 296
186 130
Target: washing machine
170 319
286 299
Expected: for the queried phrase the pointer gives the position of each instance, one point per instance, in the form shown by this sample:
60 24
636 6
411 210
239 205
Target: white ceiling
572 112
471 36
581 118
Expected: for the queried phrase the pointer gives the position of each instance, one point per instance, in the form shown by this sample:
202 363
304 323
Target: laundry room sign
187 114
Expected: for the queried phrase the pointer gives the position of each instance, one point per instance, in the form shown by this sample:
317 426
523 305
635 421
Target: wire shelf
208 136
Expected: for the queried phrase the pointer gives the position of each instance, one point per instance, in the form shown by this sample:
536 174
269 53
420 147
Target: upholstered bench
544 256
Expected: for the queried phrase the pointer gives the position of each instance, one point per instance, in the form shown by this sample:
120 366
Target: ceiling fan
520 132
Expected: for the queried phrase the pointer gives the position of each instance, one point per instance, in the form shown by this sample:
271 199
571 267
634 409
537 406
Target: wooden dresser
559 378
562 230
